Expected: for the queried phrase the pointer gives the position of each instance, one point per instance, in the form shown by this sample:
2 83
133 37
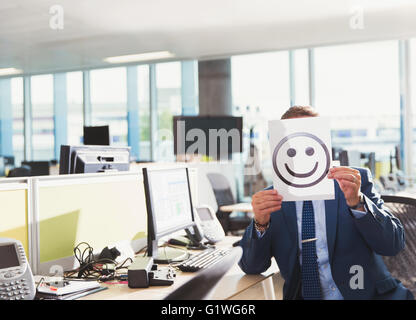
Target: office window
168 84
42 117
357 87
109 102
18 121
75 107
144 111
301 77
413 96
260 89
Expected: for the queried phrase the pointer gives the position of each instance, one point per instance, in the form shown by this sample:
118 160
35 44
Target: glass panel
109 102
260 87
357 87
168 84
144 111
75 107
413 96
301 72
42 117
18 121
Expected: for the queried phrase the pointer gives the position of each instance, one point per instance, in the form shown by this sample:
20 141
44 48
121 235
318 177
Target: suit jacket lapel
331 219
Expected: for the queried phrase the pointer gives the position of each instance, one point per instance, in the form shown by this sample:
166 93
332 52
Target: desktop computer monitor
8 160
97 135
214 128
169 207
91 159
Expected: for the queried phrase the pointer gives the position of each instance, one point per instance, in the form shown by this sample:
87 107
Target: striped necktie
311 287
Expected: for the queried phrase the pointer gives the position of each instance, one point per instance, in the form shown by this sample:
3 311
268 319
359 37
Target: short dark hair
299 112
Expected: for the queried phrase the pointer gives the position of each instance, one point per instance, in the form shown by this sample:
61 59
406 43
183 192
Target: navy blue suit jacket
351 242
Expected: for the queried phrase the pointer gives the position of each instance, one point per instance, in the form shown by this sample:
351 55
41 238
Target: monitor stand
166 255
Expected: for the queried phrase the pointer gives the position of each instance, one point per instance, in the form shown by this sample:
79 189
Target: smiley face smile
302 175
314 147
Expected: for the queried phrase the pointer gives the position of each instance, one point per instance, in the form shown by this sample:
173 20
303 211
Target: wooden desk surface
241 207
410 193
234 282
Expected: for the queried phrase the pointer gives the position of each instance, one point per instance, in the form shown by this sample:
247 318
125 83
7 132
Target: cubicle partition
53 214
99 209
15 211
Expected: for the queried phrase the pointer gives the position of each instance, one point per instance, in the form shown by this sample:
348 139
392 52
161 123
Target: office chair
343 158
224 196
201 286
254 180
402 266
38 168
23 171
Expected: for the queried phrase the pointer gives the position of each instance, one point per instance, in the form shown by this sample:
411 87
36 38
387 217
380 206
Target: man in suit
326 249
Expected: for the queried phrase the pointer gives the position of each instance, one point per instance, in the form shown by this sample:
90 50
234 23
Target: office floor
256 292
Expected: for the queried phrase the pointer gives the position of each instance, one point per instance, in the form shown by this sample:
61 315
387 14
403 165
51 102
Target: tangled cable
91 268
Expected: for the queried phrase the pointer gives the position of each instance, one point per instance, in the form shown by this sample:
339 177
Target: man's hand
264 203
349 181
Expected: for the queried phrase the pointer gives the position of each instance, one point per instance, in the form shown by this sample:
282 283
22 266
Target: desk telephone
16 279
206 227
208 222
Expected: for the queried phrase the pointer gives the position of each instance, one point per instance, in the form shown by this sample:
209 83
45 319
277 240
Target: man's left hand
349 181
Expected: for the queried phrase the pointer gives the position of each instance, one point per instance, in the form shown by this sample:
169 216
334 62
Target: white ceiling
191 29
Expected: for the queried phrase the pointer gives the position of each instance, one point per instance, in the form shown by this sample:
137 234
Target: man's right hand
264 203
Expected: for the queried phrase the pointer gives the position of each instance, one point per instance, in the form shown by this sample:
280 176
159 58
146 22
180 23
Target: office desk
409 193
234 282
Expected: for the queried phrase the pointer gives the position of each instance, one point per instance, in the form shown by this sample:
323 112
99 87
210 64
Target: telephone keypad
14 290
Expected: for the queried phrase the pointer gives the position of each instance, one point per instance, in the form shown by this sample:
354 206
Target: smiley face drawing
301 160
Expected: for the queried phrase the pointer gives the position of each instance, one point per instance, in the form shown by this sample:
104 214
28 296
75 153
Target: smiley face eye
291 152
309 151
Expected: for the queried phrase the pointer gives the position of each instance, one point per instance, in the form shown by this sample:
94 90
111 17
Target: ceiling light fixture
9 71
140 57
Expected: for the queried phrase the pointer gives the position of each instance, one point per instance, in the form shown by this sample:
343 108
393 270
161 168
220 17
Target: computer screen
98 135
216 136
8 254
168 201
92 159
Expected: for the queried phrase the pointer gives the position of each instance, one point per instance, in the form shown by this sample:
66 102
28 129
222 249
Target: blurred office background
354 61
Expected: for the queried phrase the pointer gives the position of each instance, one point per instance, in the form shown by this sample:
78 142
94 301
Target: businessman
326 249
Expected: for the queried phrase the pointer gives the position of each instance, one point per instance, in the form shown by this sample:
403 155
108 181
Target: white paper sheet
72 287
301 157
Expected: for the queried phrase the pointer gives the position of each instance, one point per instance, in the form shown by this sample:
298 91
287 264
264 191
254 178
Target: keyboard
203 260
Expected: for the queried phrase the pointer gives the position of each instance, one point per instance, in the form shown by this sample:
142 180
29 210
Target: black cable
88 269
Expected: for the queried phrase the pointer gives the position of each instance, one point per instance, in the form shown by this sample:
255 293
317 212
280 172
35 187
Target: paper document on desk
71 287
301 158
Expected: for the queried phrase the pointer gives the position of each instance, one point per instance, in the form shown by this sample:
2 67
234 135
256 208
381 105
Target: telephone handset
211 227
16 279
195 235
